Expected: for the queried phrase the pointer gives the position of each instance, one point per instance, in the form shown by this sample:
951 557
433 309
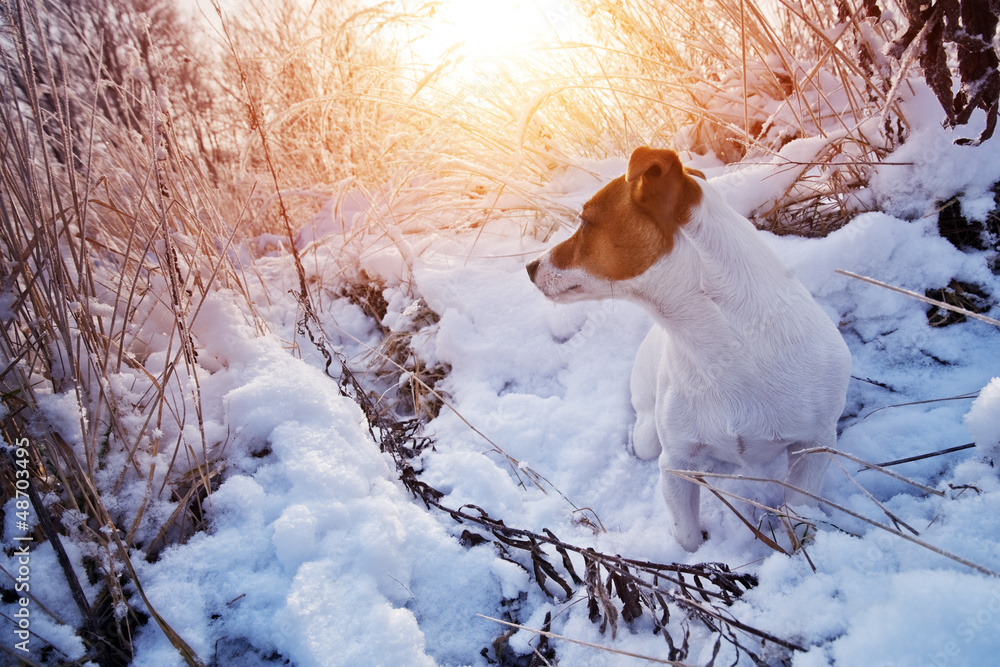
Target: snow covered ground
316 553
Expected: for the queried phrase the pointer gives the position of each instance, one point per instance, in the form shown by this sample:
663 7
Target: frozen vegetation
281 426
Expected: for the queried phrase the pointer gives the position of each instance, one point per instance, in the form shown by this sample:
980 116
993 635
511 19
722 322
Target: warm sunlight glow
490 29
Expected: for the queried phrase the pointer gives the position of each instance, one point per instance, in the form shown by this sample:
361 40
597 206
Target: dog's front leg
682 498
806 471
648 382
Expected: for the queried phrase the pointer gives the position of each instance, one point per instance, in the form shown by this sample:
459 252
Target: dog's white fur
741 365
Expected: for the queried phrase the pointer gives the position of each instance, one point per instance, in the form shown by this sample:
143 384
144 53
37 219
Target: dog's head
624 229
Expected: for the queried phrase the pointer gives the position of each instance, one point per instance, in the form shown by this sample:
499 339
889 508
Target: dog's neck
713 277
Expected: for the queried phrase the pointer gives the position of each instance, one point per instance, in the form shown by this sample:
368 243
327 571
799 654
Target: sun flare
492 29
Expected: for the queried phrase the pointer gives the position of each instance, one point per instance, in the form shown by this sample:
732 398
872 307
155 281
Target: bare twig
696 478
924 402
921 297
921 457
552 635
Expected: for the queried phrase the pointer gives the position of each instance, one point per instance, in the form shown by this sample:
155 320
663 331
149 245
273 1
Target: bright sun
489 29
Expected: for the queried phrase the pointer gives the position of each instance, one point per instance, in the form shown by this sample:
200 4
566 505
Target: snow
314 550
319 527
983 419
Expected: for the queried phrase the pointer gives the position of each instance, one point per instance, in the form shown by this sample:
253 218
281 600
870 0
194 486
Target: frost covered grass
404 122
111 241
196 300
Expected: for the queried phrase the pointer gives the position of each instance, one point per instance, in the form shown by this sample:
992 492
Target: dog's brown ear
659 185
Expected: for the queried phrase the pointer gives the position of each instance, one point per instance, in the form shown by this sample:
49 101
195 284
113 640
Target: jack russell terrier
741 365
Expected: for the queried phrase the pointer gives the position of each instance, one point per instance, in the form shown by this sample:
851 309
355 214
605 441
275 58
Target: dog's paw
643 442
691 540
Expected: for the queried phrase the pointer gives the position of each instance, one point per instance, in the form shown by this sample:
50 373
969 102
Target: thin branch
695 477
552 635
920 297
921 457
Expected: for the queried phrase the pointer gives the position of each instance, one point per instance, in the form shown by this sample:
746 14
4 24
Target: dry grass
796 528
738 80
111 240
130 182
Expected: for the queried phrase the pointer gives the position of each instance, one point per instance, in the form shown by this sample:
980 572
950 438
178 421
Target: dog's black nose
532 269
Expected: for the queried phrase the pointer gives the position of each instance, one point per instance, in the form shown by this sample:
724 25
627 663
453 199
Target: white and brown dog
741 366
